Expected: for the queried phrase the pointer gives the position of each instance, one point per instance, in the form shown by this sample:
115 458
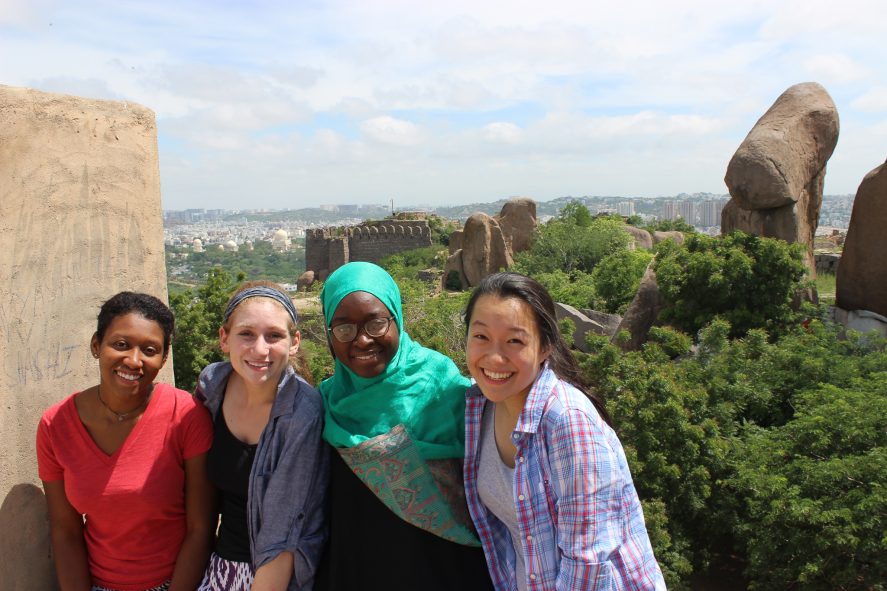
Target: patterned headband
262 292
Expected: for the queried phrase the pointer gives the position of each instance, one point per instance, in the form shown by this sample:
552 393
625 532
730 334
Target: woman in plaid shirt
546 478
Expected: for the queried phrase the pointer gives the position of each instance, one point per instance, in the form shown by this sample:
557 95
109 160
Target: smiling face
257 340
366 356
505 354
130 354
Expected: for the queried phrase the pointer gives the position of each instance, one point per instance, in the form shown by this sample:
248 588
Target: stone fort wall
80 220
327 249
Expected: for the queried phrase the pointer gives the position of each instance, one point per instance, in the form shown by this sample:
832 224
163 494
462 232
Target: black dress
370 548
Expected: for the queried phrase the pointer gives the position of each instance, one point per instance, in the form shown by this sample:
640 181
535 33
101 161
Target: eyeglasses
375 328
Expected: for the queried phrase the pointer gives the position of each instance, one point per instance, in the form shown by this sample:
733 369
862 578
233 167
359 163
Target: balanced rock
518 222
776 176
484 250
862 274
641 238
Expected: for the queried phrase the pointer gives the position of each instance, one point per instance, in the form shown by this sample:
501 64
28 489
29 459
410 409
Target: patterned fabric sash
428 495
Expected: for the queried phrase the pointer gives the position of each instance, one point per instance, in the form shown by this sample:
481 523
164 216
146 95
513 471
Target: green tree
816 492
198 319
617 276
565 244
746 279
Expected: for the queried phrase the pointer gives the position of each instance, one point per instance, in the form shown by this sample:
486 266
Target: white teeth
494 375
261 365
365 357
132 377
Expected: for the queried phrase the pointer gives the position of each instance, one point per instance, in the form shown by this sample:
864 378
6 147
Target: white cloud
503 132
873 101
388 130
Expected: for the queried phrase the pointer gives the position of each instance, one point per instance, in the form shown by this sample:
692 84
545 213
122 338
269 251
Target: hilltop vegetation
757 437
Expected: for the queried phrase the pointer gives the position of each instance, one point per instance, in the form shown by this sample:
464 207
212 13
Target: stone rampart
80 219
330 248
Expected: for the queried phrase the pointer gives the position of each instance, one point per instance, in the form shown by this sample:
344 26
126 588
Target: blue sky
293 104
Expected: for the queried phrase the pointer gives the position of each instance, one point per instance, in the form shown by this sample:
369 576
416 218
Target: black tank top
229 463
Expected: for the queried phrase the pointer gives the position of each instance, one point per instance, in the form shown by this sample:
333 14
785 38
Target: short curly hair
144 305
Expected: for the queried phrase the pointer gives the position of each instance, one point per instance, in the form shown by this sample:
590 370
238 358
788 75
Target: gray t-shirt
495 486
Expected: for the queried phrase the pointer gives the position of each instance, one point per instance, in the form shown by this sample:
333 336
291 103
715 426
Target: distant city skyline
289 105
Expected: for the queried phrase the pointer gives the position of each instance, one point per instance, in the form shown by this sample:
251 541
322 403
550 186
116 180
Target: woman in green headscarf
395 416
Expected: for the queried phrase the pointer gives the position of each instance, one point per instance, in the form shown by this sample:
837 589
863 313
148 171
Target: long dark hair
531 292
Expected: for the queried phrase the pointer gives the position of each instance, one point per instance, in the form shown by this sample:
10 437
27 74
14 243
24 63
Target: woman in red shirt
123 464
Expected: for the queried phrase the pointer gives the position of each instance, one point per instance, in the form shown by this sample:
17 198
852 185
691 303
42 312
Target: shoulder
305 398
57 412
438 369
185 406
212 381
568 408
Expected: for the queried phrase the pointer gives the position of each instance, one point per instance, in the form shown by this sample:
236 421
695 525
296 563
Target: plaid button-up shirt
580 520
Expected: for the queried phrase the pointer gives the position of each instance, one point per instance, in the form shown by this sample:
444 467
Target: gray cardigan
286 505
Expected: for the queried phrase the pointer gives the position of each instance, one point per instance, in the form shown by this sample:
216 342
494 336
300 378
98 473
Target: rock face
518 221
455 241
609 322
305 280
642 312
776 176
862 274
484 250
678 237
583 324
80 220
454 275
642 238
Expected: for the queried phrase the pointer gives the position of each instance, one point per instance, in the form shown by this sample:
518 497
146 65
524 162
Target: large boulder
642 238
609 322
678 237
582 323
455 242
484 250
453 269
776 176
518 222
642 313
862 274
305 280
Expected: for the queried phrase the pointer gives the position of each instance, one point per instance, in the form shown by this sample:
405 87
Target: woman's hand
68 545
199 504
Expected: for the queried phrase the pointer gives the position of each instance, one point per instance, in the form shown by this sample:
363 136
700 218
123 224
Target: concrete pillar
80 220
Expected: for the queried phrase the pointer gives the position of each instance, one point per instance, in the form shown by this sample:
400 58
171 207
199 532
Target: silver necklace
121 416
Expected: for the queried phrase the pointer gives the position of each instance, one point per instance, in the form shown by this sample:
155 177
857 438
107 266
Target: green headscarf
420 389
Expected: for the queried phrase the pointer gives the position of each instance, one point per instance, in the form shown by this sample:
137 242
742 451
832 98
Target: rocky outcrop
862 274
454 276
582 323
486 244
641 314
484 250
518 221
642 238
305 280
609 322
776 176
678 237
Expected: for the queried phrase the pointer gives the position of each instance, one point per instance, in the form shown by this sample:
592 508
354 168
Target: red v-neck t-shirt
133 499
